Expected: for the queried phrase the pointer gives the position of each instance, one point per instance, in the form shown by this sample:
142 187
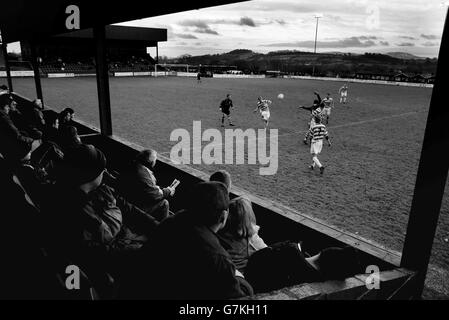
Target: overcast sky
413 26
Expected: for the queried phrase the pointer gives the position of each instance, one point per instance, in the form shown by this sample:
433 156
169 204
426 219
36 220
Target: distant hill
403 55
326 64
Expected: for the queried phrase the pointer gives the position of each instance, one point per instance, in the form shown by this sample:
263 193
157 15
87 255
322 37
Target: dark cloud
200 26
407 37
247 21
384 43
405 44
367 38
429 36
352 42
281 22
206 31
430 44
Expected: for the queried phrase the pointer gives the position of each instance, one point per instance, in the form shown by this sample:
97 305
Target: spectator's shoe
232 125
222 125
321 170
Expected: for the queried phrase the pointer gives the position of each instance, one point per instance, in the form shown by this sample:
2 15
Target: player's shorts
316 147
327 111
265 115
344 94
226 112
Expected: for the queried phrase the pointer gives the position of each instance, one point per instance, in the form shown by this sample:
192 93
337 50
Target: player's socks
317 162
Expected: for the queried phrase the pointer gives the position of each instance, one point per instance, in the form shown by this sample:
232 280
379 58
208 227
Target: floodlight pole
7 67
431 177
316 35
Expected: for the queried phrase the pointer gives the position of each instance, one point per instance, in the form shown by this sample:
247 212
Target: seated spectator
138 184
88 221
10 136
69 138
185 259
66 117
284 264
222 176
240 235
34 117
51 132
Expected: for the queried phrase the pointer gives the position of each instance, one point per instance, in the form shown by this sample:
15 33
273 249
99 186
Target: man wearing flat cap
186 259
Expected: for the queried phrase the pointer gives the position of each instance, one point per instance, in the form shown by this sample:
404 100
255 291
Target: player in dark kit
225 107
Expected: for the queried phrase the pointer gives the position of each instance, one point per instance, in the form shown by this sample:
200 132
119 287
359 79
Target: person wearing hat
10 136
88 220
185 259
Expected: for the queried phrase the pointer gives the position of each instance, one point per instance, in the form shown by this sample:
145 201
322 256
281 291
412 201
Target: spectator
284 264
66 117
97 228
34 116
240 235
10 136
51 132
222 176
69 138
138 184
186 260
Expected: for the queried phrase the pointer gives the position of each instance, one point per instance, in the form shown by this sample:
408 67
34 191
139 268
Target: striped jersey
318 132
263 105
317 112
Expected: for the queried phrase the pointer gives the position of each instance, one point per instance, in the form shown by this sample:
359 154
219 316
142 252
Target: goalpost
166 69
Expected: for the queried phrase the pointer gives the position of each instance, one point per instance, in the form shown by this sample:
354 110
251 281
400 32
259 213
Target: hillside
326 64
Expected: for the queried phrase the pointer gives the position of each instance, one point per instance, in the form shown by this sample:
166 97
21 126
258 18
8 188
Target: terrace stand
431 178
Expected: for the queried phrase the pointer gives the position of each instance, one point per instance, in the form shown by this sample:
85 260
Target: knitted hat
84 163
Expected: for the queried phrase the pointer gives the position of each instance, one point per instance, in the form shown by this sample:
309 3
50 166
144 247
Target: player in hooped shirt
263 106
318 132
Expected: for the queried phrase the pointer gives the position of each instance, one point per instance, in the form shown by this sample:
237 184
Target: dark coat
10 136
187 262
139 186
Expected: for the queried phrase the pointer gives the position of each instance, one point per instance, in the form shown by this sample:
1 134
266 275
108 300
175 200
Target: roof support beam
431 178
37 74
7 67
104 100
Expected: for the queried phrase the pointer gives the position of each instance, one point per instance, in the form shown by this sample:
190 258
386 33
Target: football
280 96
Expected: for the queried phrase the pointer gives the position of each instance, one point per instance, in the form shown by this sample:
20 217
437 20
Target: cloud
430 44
206 31
429 36
184 36
246 21
367 38
281 22
384 43
200 26
405 44
408 38
352 42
